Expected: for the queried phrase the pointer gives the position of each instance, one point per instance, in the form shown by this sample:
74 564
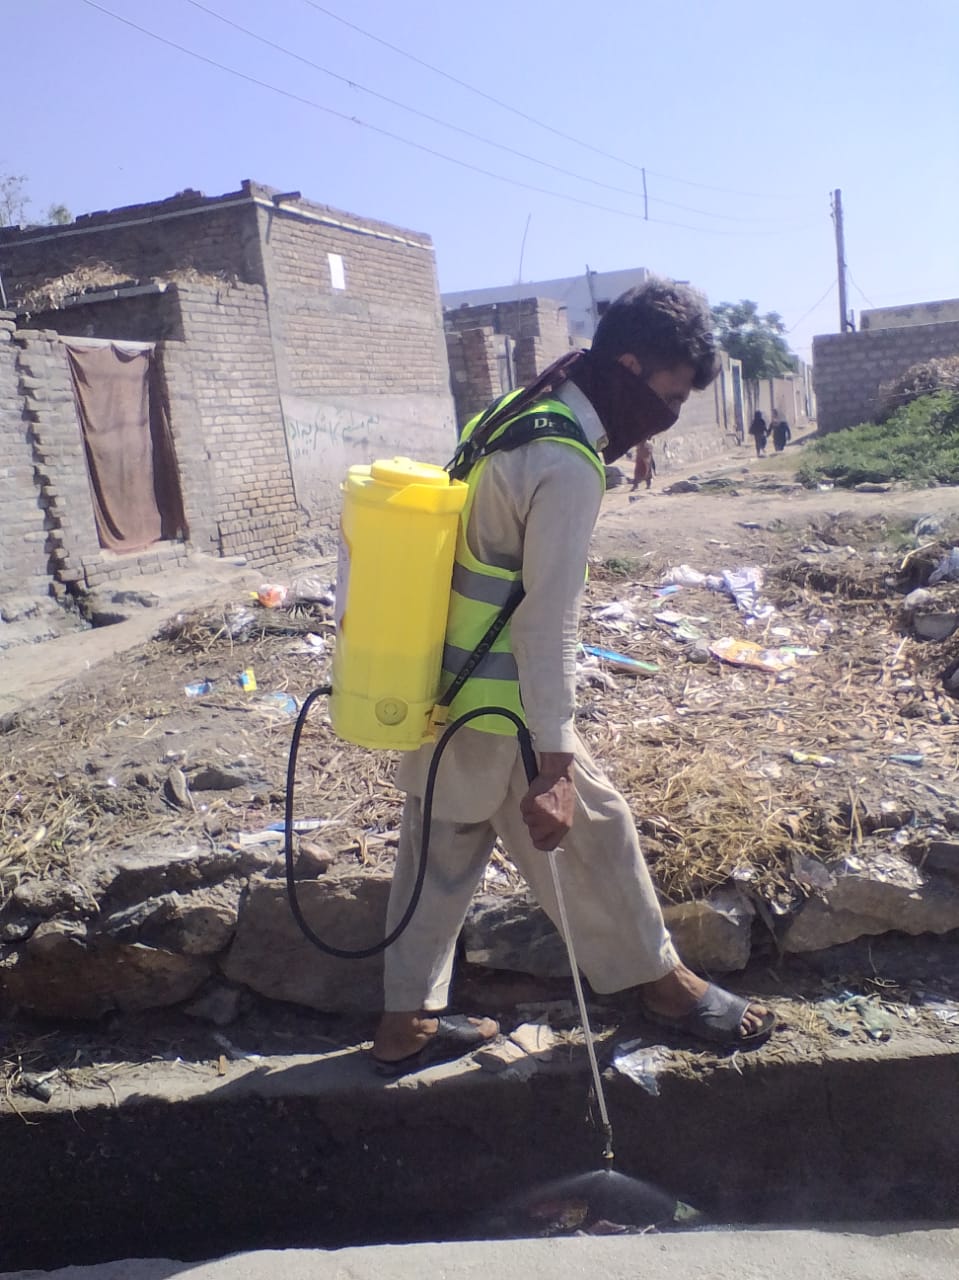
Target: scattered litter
246 838
684 575
683 628
749 524
669 590
926 527
312 590
848 1012
271 595
947 570
943 1011
616 611
198 688
746 653
239 623
642 1064
744 585
37 1086
904 757
590 673
811 757
279 703
247 680
622 661
305 824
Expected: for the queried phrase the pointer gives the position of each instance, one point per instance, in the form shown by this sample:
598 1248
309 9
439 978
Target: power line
858 290
466 133
395 137
541 124
817 303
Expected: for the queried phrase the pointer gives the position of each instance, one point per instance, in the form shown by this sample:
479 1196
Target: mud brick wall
60 484
539 334
144 318
24 569
848 368
239 427
474 356
358 339
139 242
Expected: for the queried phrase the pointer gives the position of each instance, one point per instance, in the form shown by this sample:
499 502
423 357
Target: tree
758 341
14 203
13 199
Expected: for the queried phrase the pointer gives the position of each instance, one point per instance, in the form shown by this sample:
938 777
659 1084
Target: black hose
364 953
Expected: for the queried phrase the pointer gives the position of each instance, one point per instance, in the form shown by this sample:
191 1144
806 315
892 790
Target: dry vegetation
702 752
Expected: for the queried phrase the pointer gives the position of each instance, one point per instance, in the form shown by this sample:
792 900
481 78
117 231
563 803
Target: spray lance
397 543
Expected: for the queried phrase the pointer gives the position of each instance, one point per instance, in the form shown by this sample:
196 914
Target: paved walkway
871 1253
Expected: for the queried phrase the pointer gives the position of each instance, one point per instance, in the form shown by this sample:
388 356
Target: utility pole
840 259
593 309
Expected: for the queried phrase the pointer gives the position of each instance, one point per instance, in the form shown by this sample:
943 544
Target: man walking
534 499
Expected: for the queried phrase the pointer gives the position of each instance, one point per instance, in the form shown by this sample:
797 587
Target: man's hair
663 324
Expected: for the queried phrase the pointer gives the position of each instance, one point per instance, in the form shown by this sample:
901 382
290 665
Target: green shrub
918 444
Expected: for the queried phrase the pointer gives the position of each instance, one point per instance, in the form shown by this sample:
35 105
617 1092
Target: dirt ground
105 749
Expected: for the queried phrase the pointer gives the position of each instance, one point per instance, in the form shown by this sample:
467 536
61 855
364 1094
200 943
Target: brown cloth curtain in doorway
129 449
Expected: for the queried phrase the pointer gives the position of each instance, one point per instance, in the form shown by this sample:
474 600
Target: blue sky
748 113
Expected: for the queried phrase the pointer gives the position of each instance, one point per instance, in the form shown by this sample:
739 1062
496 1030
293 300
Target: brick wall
358 364
538 334
139 242
140 318
848 368
24 571
225 371
362 368
60 483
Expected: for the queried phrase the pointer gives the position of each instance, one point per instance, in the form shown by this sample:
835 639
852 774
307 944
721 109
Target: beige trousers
614 914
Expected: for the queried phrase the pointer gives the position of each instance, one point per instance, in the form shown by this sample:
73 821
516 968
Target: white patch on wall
337 270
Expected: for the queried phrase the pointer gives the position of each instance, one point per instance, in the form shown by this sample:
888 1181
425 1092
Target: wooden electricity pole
844 324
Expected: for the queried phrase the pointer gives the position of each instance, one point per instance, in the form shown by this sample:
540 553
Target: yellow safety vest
480 591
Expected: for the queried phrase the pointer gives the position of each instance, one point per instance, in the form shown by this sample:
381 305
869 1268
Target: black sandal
455 1037
716 1017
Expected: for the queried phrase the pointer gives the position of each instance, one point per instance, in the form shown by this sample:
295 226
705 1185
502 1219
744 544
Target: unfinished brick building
283 341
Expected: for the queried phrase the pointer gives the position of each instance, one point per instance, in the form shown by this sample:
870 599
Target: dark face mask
629 409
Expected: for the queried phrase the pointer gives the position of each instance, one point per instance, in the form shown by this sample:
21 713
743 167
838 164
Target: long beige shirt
535 509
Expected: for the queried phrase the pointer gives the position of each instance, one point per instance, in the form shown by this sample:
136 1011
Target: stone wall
358 342
848 368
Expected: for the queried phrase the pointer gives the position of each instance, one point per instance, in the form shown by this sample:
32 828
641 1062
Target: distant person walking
758 431
645 467
779 430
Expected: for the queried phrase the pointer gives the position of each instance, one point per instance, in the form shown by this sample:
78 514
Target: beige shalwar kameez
535 509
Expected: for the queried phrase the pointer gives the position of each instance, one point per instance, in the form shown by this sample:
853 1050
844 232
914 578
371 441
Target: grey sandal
716 1017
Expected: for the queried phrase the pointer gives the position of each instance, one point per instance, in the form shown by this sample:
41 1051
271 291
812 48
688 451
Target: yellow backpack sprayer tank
397 541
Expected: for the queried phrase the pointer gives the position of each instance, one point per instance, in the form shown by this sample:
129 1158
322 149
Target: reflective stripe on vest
479 592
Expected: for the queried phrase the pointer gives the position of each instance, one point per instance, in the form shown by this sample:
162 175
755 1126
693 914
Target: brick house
286 340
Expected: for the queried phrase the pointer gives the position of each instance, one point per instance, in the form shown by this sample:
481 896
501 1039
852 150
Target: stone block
271 955
883 894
